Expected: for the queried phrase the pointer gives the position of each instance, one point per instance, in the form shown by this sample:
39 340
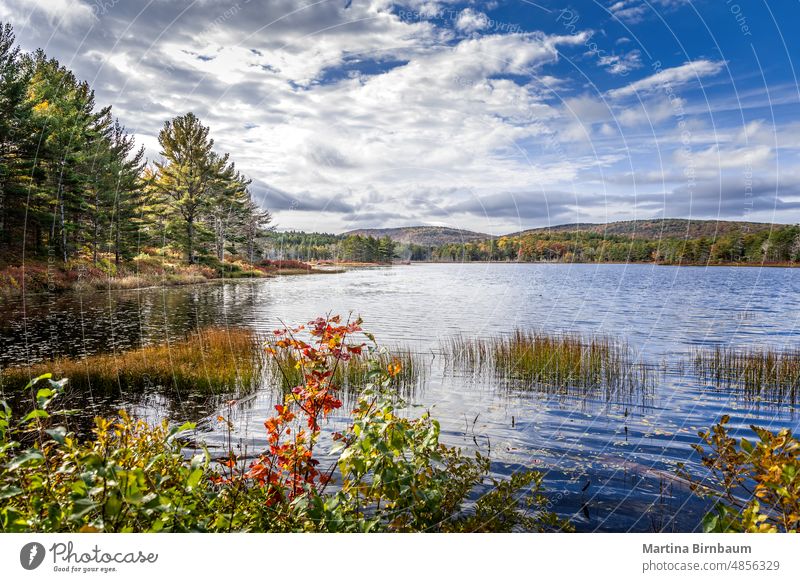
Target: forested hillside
734 242
668 241
776 244
680 228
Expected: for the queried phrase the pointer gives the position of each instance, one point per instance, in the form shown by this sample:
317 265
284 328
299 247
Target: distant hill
429 236
657 228
434 236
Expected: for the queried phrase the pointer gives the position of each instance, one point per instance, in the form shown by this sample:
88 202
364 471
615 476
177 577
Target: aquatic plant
761 373
391 471
212 360
560 363
356 372
756 485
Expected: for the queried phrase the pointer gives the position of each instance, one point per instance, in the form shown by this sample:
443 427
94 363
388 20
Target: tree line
313 246
74 185
781 244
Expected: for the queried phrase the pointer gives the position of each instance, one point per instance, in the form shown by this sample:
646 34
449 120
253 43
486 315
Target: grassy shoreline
39 277
209 361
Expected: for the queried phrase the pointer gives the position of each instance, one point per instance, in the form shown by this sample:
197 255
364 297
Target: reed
208 361
355 373
761 373
563 362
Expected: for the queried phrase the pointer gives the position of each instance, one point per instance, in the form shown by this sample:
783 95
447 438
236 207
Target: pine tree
73 181
15 137
190 172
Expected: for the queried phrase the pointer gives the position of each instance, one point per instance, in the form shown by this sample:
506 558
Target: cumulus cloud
359 115
470 20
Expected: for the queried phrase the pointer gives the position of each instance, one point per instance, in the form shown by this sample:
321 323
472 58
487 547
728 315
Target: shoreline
163 282
177 280
786 265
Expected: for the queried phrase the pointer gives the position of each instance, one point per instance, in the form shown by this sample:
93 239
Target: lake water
609 462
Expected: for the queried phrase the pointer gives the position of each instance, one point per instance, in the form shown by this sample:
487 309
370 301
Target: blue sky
491 116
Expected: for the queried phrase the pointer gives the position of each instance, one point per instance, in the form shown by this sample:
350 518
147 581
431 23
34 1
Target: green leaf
113 506
34 414
58 384
194 478
81 507
58 434
177 430
44 393
31 456
10 491
198 461
33 382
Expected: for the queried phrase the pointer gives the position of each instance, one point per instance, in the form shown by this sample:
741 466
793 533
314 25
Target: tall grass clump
212 361
761 373
356 372
563 362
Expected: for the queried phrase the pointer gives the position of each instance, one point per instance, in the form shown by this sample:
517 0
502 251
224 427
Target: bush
756 485
285 264
390 472
38 278
148 264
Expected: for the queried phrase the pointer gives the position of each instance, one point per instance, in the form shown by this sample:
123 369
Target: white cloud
634 11
358 117
628 10
709 162
673 77
650 112
471 21
621 64
65 13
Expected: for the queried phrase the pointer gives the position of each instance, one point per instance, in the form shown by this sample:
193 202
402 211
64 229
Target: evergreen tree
190 173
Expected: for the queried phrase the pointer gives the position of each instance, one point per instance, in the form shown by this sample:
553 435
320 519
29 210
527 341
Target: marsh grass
564 363
210 361
354 374
761 373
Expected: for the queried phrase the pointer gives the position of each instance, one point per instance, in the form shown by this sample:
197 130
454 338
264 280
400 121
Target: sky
489 116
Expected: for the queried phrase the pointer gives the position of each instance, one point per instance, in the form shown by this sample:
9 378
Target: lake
609 462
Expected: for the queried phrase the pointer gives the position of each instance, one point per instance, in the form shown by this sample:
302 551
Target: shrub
148 264
129 477
38 277
756 485
285 264
390 472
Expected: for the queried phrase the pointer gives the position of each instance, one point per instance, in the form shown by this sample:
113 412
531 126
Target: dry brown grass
209 361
